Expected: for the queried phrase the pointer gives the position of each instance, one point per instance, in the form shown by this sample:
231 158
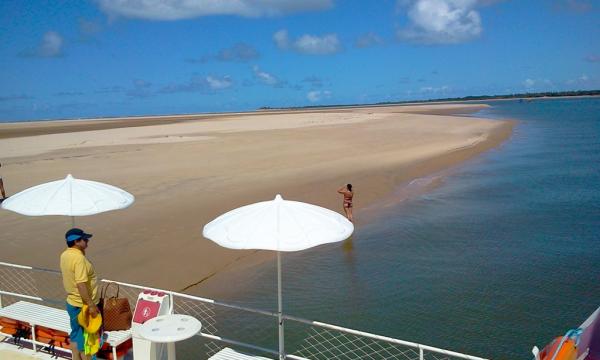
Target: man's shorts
76 329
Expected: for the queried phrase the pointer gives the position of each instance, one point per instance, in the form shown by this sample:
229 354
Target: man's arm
87 299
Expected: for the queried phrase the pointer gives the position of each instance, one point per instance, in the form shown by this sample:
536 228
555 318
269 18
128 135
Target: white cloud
581 80
282 39
216 83
434 90
51 44
538 84
265 77
442 21
187 9
318 95
203 84
308 44
529 83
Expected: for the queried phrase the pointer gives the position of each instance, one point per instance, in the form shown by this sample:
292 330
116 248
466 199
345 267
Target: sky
99 58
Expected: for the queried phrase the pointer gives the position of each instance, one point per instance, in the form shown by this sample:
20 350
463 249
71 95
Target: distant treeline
465 98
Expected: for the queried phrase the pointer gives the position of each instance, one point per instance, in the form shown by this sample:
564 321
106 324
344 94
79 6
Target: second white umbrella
279 225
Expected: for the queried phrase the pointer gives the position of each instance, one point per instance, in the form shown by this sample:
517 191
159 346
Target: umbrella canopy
280 225
70 197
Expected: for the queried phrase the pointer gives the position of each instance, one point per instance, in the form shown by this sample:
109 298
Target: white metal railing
229 324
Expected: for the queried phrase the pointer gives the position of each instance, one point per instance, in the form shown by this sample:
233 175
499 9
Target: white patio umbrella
279 225
69 197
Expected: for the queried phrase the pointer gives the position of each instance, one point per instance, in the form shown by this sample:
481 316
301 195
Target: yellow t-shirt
77 269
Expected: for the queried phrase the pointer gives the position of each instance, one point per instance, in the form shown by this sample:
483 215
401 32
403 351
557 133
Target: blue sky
75 59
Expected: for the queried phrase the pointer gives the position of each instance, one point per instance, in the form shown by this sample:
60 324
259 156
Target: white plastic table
170 329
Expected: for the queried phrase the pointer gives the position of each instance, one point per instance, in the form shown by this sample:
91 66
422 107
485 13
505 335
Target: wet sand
186 170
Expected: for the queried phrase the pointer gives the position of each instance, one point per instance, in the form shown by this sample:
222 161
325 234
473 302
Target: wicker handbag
116 312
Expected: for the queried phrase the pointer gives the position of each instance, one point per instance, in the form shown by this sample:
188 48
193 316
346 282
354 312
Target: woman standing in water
348 195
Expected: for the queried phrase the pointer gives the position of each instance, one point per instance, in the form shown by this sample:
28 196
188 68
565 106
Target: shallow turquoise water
503 256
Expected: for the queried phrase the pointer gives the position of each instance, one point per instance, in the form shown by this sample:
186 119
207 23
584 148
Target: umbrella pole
280 308
70 179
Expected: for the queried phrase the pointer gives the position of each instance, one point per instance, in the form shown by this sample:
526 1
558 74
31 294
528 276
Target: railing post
33 337
421 357
281 336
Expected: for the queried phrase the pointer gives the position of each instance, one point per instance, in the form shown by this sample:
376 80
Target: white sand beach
187 170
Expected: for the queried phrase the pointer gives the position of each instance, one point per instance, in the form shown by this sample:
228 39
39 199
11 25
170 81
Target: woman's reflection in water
348 248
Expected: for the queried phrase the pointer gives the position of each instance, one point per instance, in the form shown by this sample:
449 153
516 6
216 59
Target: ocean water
504 255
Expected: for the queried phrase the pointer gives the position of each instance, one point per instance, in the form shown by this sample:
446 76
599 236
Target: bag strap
105 289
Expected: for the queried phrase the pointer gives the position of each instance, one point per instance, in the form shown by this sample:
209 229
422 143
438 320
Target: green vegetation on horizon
464 98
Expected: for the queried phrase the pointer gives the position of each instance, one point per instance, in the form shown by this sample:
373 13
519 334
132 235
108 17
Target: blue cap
76 234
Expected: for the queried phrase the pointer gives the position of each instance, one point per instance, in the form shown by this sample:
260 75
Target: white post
280 308
33 338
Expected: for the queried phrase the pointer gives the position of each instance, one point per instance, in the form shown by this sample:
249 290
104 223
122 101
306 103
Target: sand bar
185 171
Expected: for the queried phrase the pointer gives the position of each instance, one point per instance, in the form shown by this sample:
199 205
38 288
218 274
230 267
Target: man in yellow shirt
80 283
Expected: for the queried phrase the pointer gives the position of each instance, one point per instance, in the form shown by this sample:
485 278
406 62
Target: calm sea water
503 256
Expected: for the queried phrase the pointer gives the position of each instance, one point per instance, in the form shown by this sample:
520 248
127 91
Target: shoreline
186 173
396 192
